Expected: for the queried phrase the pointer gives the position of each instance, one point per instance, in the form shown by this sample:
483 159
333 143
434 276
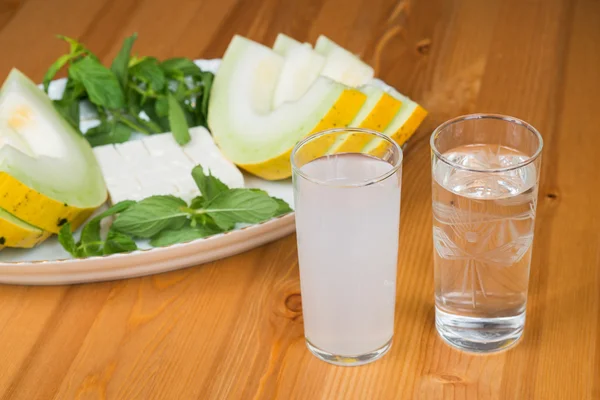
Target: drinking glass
485 174
347 223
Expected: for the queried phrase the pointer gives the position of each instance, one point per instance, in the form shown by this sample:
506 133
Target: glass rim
500 117
379 178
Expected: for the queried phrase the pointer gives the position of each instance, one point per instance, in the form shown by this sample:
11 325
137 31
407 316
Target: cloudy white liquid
348 248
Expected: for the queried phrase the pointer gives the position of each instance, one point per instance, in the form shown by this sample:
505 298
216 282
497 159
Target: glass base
349 361
479 335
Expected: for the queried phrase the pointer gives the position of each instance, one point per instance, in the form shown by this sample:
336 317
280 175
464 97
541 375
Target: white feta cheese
157 165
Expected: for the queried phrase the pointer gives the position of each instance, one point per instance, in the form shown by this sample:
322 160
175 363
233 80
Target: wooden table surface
232 329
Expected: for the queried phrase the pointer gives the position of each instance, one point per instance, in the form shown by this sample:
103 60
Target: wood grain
233 329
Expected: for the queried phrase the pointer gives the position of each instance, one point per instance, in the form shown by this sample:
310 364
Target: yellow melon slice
48 173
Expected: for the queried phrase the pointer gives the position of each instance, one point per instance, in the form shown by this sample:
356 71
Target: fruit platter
145 165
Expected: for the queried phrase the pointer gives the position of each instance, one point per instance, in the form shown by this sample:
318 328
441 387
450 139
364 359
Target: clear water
348 249
483 233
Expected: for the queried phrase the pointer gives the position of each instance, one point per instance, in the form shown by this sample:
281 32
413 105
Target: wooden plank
8 8
27 40
568 306
57 342
24 316
233 329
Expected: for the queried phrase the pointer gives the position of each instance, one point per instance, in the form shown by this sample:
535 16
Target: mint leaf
151 216
120 64
184 234
108 132
115 209
180 67
90 243
69 109
189 116
207 80
73 91
241 205
101 84
206 221
148 72
282 207
75 45
209 186
57 66
117 242
134 60
66 239
177 121
68 106
197 202
149 107
162 106
134 100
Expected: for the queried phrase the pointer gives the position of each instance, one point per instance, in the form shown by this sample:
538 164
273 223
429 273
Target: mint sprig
91 244
136 94
167 220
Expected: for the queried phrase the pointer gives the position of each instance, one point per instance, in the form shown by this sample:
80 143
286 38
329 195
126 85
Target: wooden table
232 329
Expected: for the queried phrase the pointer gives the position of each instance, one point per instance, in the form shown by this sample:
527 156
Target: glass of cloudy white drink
347 222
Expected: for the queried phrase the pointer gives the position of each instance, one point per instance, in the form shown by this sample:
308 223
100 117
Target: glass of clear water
347 223
485 174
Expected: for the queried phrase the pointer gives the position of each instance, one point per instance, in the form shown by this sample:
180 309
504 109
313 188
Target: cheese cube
157 165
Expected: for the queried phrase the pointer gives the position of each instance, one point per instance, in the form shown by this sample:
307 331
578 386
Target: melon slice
17 233
48 173
377 112
284 44
341 65
404 124
301 68
256 137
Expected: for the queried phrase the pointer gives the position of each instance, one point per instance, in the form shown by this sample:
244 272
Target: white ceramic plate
50 264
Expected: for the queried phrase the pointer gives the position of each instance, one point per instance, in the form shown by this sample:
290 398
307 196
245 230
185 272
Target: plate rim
146 263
